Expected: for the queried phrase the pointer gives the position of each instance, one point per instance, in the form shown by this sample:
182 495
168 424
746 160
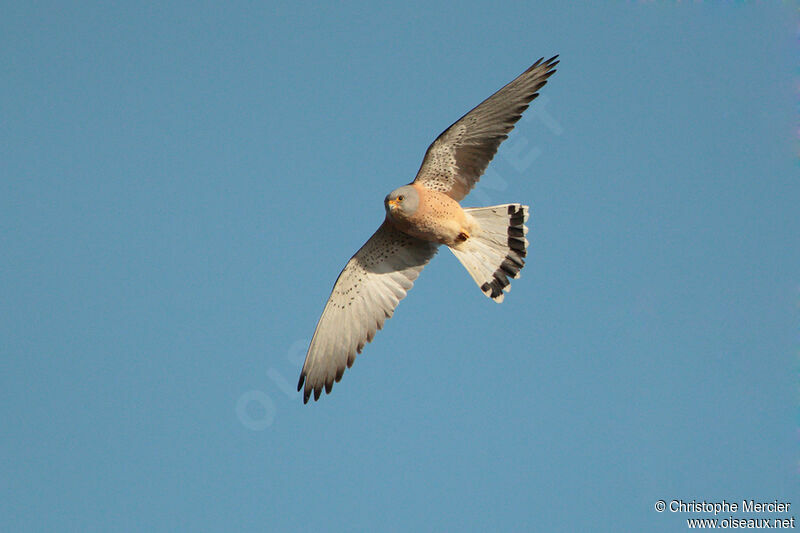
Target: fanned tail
496 249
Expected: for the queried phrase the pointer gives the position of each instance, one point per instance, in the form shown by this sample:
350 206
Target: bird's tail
496 248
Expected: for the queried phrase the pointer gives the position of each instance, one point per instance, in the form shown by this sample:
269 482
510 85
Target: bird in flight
488 241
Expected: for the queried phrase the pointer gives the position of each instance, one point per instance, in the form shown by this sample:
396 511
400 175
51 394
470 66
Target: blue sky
182 183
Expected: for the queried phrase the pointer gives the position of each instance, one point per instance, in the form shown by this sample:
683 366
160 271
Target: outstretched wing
457 158
366 293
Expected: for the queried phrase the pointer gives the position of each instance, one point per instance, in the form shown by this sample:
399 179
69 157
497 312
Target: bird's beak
393 203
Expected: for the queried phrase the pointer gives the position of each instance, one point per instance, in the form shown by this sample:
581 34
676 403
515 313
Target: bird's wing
366 293
457 158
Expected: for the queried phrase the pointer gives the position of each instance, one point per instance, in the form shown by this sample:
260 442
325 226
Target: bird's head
402 202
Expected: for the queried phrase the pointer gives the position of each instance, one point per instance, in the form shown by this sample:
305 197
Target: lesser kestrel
489 241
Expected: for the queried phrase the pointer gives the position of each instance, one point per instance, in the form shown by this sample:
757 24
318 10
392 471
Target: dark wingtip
550 63
301 381
306 396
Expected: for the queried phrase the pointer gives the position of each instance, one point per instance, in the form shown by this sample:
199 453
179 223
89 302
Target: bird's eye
401 198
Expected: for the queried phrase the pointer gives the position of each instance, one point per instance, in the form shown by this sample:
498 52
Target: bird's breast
438 218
